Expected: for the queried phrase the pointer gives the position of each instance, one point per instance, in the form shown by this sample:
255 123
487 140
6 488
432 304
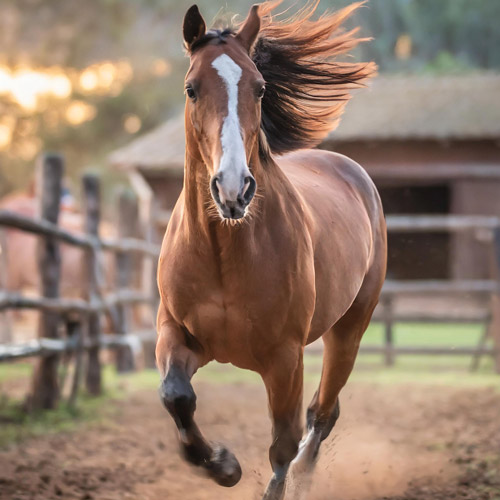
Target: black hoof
223 467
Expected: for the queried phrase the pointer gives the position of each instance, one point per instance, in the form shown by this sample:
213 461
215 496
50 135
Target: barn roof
392 108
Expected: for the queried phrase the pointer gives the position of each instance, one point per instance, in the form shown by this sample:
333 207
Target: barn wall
472 254
166 188
417 151
455 256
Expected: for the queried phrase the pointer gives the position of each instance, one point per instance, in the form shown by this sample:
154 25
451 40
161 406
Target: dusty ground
397 442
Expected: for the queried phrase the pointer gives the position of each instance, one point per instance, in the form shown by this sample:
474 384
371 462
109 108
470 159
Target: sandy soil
396 442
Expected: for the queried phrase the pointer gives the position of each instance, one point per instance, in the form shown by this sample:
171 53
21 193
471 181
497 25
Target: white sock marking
233 162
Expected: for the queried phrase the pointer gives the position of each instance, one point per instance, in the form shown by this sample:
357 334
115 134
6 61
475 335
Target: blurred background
101 83
87 78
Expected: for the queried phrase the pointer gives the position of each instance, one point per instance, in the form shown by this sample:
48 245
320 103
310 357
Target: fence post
389 338
92 209
495 320
126 264
75 331
45 389
5 316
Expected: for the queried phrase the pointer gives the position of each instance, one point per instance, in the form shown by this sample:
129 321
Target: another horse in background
270 246
21 247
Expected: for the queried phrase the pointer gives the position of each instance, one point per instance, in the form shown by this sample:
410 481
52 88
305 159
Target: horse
21 246
271 245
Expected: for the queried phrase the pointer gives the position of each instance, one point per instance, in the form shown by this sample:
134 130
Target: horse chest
235 322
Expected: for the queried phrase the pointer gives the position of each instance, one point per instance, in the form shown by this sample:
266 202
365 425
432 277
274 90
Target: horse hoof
223 467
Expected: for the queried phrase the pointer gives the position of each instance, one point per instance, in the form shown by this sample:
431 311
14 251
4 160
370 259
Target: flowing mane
306 90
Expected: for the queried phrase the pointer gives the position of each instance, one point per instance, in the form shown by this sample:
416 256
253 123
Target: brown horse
264 254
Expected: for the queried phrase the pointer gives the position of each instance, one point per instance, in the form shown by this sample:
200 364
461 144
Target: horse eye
261 92
190 92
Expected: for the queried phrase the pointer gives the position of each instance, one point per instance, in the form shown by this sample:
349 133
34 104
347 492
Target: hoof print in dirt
224 468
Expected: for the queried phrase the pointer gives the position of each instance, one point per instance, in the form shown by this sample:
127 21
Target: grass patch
427 334
12 371
16 424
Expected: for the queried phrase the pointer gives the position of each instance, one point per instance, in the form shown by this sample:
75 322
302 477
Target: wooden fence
487 290
81 317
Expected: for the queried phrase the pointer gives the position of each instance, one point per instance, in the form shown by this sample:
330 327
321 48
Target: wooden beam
48 347
5 317
413 287
440 223
495 303
128 226
45 387
15 300
92 210
45 228
444 172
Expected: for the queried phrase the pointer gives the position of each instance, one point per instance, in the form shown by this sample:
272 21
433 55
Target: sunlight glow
106 78
132 124
5 136
78 112
27 86
160 67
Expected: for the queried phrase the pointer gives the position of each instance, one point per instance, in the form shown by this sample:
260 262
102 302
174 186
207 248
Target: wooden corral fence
486 290
81 318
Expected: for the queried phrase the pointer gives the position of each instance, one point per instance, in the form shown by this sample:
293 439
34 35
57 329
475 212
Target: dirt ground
392 442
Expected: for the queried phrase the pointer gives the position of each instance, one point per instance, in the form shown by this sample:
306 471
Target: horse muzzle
232 198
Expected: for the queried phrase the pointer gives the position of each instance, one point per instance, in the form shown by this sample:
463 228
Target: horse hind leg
177 363
341 345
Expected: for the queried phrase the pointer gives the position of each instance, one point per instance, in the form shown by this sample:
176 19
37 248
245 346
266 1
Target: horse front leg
177 362
284 384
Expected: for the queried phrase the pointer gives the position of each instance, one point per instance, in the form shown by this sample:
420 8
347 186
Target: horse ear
250 28
194 26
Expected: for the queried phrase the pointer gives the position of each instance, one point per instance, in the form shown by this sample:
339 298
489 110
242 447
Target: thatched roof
393 108
162 148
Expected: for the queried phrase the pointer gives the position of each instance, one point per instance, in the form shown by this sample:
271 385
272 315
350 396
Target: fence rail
43 228
82 316
431 223
13 300
486 289
47 347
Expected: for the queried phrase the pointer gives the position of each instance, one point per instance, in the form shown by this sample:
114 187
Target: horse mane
306 90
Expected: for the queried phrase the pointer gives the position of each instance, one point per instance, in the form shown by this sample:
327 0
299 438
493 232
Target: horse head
224 90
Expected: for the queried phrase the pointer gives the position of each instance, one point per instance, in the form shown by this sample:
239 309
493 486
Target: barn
431 144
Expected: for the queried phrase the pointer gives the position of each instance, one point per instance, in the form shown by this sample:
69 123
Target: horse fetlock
224 467
194 453
320 423
276 488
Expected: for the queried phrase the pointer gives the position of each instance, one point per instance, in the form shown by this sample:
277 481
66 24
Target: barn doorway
417 255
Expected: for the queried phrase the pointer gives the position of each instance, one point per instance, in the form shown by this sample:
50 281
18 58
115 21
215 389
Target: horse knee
178 396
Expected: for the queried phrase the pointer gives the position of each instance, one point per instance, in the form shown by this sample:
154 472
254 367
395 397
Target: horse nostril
249 189
214 189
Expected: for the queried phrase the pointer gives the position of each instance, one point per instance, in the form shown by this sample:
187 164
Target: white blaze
233 162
